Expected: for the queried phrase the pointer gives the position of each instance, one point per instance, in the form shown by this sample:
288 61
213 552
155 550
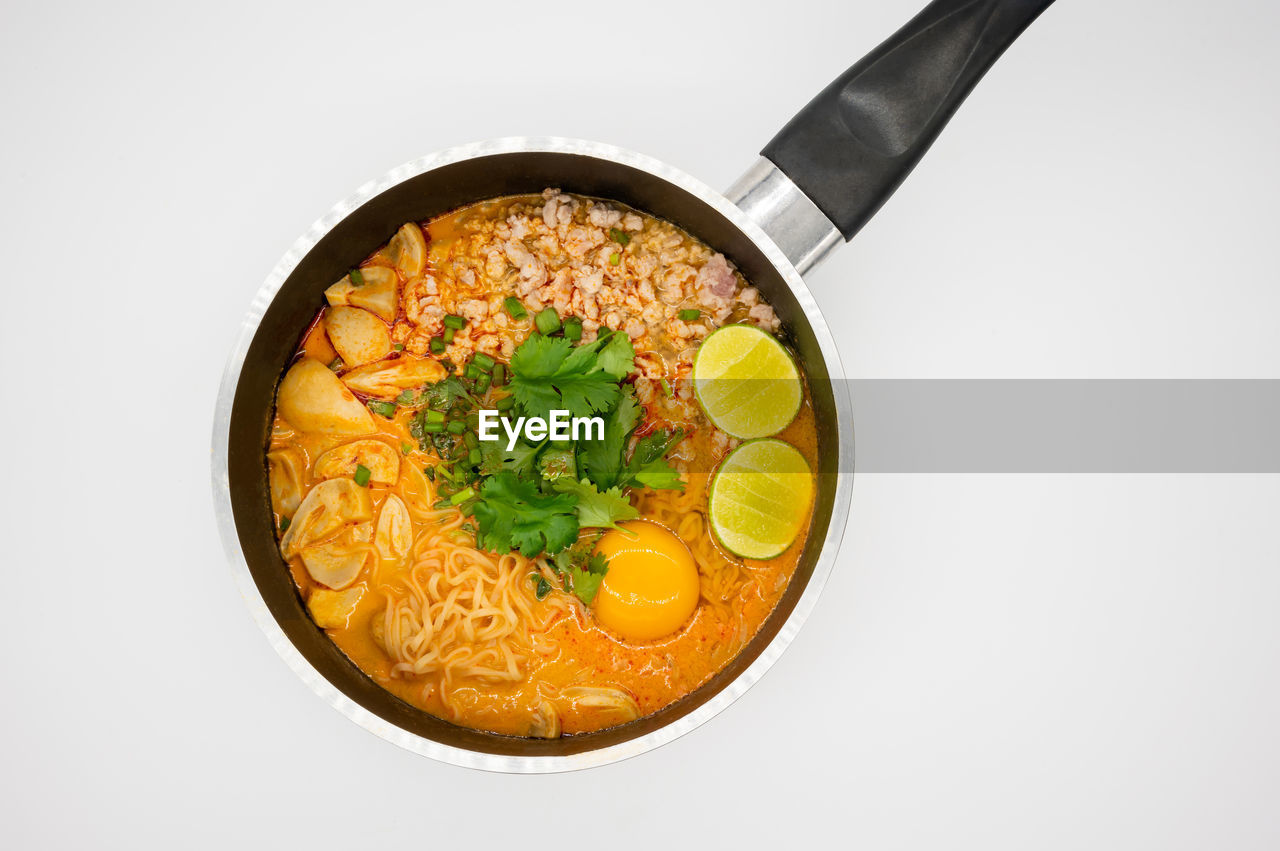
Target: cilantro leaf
536 399
601 460
519 460
586 581
653 446
659 475
578 553
648 467
512 513
584 395
550 372
581 570
417 433
581 359
617 357
611 352
446 393
556 532
597 509
539 356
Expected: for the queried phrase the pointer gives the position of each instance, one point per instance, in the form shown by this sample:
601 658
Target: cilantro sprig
551 372
597 509
514 514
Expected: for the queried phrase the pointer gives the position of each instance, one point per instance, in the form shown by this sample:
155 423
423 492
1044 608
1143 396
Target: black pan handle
853 144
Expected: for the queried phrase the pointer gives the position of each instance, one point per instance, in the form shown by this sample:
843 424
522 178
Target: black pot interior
350 241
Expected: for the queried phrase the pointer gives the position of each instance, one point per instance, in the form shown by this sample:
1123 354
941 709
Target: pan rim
462 756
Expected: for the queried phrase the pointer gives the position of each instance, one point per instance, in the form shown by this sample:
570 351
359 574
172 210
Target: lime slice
746 382
760 498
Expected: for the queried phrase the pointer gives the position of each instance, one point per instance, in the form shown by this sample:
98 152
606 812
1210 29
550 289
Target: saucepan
814 186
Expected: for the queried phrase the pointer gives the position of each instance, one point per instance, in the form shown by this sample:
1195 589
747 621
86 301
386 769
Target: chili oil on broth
459 632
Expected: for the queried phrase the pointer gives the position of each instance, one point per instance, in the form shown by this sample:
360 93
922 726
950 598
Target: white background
1000 662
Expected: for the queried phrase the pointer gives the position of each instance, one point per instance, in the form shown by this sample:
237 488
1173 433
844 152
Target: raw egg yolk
651 587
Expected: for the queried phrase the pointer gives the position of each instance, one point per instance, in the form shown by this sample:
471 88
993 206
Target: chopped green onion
482 384
442 504
284 523
462 496
437 346
515 308
456 427
548 321
615 258
362 475
573 328
455 321
483 361
435 416
689 315
666 388
472 372
405 398
399 347
499 374
433 428
429 472
471 439
619 236
386 409
475 457
357 277
506 403
448 334
405 449
446 472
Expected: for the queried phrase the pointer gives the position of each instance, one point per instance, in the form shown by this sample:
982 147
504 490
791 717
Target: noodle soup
539 589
